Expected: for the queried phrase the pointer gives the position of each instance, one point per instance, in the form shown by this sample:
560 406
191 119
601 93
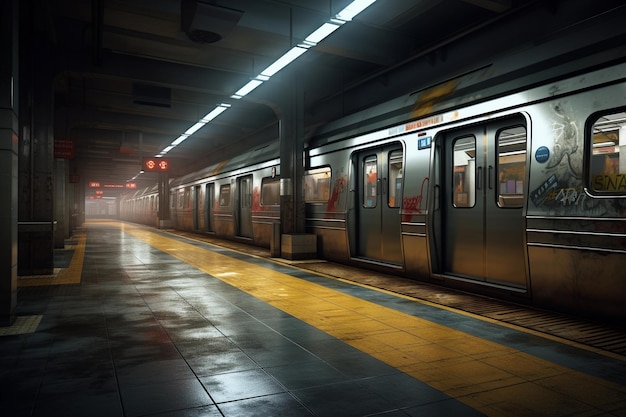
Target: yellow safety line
494 379
70 275
516 327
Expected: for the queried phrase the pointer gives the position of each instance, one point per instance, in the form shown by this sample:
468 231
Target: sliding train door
209 194
481 183
378 202
244 185
197 208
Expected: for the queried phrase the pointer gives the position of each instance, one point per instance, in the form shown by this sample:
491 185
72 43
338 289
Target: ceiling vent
151 95
204 22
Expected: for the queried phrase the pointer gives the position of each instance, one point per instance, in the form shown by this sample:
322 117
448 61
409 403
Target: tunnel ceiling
131 75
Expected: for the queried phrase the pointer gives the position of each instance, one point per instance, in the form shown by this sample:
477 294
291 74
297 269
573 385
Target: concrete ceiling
129 79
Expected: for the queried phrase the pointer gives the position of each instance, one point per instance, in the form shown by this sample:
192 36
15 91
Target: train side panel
577 207
326 190
414 211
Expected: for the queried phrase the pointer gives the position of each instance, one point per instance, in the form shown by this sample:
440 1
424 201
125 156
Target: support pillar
8 159
35 149
295 243
291 125
163 215
61 202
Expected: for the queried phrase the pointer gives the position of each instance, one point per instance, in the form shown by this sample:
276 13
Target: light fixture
353 9
180 139
215 112
252 84
321 33
283 61
193 129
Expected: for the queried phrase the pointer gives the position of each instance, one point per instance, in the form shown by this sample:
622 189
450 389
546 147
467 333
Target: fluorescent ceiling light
193 129
345 15
321 33
166 150
353 9
252 84
214 113
180 139
283 61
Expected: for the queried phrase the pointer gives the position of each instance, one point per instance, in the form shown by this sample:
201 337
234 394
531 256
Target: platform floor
163 325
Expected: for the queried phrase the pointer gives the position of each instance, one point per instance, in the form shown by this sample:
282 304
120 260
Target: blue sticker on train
423 143
542 154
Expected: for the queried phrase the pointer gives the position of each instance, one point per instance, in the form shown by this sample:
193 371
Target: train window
270 192
511 143
225 195
317 185
187 198
370 185
173 200
607 168
464 166
395 178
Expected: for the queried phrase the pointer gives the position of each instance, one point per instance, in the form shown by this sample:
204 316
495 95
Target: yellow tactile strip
493 379
70 275
22 325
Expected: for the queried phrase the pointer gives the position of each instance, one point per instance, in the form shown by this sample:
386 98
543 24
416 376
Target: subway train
513 187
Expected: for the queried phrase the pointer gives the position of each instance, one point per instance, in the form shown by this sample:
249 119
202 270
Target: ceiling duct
204 22
151 95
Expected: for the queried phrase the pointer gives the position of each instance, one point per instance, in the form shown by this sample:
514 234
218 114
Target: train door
482 198
197 207
244 185
208 203
379 198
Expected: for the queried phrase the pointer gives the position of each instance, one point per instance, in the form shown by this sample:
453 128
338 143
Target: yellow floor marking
493 379
70 275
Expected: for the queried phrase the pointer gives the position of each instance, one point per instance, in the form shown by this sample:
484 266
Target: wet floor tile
241 385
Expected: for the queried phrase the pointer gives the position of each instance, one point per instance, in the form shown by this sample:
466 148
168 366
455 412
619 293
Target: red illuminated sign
131 185
94 184
155 165
63 148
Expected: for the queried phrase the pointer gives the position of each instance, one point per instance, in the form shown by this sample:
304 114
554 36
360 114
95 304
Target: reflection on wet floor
223 334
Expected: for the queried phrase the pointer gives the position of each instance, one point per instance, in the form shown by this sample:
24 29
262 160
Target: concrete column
294 242
61 202
291 157
35 149
163 212
8 159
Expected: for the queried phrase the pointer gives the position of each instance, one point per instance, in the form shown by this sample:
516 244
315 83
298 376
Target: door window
395 179
464 167
370 174
511 144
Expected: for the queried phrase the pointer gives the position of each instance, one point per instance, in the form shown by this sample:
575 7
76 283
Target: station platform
144 322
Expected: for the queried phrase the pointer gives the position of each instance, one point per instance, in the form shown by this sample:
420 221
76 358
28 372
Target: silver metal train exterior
518 195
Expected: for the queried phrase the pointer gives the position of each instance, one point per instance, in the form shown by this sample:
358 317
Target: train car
507 184
235 199
521 195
